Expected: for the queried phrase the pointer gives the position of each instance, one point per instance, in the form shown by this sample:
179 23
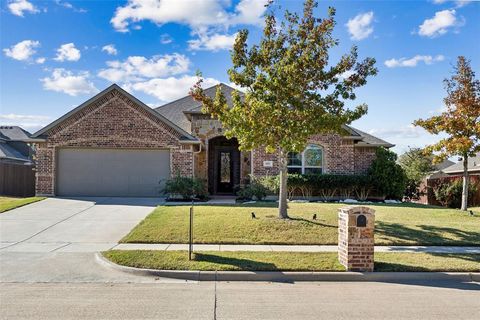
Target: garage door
112 172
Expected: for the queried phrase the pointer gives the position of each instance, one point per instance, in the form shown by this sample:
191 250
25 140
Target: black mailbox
361 221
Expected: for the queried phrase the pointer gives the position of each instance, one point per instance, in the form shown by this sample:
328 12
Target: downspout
193 159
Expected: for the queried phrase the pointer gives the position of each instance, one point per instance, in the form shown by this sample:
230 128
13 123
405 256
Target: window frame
302 167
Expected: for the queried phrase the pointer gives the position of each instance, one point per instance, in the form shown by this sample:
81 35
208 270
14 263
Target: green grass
289 261
9 203
396 224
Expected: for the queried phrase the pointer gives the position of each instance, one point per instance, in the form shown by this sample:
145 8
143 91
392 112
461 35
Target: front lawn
289 261
396 224
9 203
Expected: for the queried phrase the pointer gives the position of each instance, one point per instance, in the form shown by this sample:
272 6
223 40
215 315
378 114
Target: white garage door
112 172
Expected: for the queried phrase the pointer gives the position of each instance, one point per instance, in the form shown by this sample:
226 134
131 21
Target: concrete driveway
72 225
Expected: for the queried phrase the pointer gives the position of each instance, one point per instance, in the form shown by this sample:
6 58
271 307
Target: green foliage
387 176
186 187
449 193
327 186
293 90
257 189
417 165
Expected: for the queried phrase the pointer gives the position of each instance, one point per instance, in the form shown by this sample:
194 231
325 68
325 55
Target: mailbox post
356 225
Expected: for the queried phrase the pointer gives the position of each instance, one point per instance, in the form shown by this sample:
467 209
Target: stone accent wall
112 121
206 128
364 157
356 243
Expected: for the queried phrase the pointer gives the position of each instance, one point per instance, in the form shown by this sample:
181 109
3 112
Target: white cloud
170 88
192 13
70 6
65 81
360 27
165 38
212 42
68 52
409 131
412 62
29 122
40 60
458 3
23 50
439 24
18 7
137 68
110 49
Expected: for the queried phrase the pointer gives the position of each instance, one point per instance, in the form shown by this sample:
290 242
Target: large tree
460 122
292 89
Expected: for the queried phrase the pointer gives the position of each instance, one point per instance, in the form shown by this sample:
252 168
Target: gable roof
473 165
177 111
184 135
15 133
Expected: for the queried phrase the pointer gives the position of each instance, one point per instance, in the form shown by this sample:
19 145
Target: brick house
115 145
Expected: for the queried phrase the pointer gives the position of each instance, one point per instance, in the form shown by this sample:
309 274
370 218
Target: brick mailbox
356 226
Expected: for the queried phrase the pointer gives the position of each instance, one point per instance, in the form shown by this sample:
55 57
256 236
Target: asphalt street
240 300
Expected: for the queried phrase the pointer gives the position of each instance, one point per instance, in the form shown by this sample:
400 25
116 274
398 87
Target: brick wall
356 243
112 121
338 156
364 157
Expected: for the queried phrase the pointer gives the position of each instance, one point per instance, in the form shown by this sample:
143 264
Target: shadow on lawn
313 222
427 235
241 264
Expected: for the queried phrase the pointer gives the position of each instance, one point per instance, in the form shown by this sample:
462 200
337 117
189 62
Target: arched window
310 161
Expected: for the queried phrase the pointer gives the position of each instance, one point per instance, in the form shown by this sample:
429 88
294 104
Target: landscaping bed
396 224
9 203
289 261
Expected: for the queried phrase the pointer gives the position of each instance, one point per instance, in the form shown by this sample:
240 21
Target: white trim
302 167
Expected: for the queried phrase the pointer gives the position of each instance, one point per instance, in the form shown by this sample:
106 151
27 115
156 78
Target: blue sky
57 54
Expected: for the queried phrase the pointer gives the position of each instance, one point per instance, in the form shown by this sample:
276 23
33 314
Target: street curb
290 276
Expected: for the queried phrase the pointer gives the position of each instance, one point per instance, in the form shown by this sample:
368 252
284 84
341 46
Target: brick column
356 225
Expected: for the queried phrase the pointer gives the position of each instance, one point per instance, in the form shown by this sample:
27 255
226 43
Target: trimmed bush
257 189
186 187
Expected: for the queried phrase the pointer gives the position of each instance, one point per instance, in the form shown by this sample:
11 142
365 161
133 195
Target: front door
224 170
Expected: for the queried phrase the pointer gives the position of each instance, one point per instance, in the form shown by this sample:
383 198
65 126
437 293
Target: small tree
387 175
460 122
292 91
417 165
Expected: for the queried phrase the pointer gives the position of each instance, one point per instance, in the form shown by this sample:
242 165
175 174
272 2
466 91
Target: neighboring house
15 145
17 176
115 145
457 168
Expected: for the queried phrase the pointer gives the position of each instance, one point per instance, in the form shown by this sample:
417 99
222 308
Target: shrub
256 189
386 175
186 187
449 194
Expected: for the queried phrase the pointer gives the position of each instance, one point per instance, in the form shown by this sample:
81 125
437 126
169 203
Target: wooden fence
428 195
17 180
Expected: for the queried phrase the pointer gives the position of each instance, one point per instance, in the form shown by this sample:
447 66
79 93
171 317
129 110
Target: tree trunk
282 198
465 184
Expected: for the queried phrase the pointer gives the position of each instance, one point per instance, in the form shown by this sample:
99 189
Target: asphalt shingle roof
473 165
7 151
14 133
175 112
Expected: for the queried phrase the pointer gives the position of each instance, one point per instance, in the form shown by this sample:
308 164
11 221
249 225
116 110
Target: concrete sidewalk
290 248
